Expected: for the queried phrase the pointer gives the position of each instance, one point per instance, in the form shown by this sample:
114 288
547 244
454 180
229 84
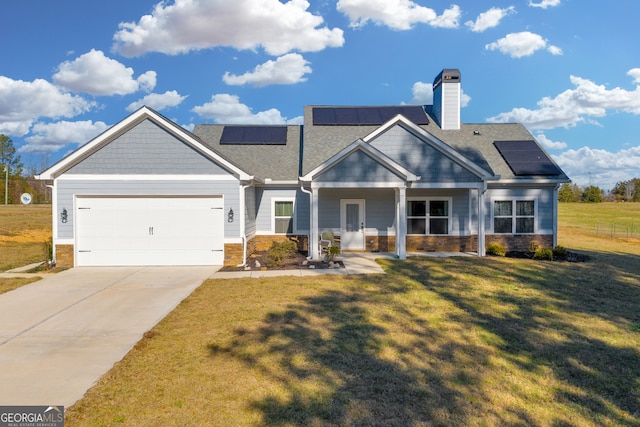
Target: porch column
314 250
401 222
481 225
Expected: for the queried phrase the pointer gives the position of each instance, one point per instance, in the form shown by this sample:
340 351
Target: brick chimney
446 99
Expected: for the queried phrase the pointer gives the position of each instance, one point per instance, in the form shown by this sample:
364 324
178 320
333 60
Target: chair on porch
326 241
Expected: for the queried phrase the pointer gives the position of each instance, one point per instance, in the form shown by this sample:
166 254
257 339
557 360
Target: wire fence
614 230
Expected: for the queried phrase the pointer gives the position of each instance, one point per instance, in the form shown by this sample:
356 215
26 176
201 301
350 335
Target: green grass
435 342
24 231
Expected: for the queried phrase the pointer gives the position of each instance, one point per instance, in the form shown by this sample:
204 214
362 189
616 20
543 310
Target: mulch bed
569 257
296 262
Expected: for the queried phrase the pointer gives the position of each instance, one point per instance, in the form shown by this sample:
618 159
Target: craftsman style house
396 179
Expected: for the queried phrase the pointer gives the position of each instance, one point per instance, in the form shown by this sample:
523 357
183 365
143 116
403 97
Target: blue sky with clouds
567 69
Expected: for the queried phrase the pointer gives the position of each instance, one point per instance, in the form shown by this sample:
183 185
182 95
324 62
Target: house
396 179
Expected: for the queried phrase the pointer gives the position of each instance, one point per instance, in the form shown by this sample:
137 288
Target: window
428 216
514 216
283 217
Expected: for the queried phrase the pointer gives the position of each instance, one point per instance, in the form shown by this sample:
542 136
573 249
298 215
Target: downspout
243 228
310 217
555 215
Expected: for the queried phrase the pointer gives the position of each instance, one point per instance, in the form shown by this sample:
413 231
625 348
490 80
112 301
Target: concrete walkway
59 335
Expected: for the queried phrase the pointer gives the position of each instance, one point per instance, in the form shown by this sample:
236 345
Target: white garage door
149 231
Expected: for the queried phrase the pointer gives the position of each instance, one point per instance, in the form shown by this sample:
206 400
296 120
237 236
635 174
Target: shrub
560 252
332 251
533 246
496 249
543 254
279 252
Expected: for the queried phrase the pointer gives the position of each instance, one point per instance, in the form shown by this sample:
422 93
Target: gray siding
420 157
379 208
250 211
146 149
67 189
264 203
358 167
544 205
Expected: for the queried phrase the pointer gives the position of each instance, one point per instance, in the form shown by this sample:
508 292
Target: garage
154 230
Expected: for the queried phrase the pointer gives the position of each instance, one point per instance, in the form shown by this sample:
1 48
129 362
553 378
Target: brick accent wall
233 254
442 243
263 243
380 244
520 243
64 256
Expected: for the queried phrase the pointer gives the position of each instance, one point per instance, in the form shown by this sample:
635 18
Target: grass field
24 232
435 342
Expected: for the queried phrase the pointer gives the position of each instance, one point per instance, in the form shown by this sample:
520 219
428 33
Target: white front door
352 224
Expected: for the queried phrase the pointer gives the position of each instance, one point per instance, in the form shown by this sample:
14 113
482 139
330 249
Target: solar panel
526 158
366 116
254 135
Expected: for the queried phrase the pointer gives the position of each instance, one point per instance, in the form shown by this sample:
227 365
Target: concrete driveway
58 336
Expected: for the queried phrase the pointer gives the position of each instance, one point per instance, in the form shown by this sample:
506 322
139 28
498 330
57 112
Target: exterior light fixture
230 215
63 216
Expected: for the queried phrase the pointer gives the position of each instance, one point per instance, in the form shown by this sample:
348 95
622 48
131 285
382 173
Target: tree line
15 180
19 181
623 191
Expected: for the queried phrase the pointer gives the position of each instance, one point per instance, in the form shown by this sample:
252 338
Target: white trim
274 200
526 181
449 201
64 241
399 184
433 141
154 177
377 155
513 201
448 185
122 126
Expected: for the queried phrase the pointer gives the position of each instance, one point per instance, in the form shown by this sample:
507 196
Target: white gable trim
134 118
368 149
439 145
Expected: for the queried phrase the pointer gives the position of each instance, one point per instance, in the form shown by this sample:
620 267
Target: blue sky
567 69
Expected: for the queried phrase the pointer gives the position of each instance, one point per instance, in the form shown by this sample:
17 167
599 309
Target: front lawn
458 341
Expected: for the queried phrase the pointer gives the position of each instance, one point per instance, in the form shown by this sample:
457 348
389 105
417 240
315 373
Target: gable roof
372 152
144 113
475 142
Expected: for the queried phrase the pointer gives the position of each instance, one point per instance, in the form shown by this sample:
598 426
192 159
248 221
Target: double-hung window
428 216
514 216
283 216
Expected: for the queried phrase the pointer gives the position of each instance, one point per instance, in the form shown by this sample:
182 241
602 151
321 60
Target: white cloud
227 109
545 3
635 73
286 70
397 14
423 95
489 19
96 74
21 103
600 167
158 101
53 136
549 144
573 106
189 25
522 44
